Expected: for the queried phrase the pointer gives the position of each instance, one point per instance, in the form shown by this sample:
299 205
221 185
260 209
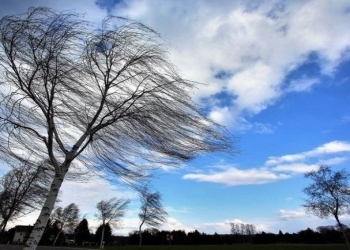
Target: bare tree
152 212
107 99
242 232
22 190
110 212
329 195
66 217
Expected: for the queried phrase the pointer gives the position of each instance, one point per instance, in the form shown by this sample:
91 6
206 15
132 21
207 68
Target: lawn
236 247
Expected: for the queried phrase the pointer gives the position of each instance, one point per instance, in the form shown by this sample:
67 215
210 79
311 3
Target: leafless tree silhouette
66 218
110 212
152 212
329 195
107 99
22 190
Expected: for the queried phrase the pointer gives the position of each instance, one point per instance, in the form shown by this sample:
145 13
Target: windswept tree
66 218
22 190
152 212
110 212
329 195
106 98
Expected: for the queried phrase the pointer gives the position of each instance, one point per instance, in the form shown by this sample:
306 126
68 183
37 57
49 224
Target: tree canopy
22 190
328 194
82 232
110 212
105 98
151 212
106 230
66 217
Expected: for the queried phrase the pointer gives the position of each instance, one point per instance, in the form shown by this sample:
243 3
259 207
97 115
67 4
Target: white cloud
232 176
302 85
333 161
275 168
174 224
256 87
334 147
292 214
295 168
222 115
330 148
222 227
88 194
259 47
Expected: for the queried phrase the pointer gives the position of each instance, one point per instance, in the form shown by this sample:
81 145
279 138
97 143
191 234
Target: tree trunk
4 224
343 231
41 222
58 234
140 236
2 227
102 236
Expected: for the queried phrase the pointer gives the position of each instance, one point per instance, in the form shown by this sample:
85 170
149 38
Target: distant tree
22 190
55 230
242 232
195 237
110 212
51 231
11 234
103 233
108 97
66 218
331 234
152 212
82 232
250 231
329 195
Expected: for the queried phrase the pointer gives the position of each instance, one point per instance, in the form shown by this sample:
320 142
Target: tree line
79 235
323 235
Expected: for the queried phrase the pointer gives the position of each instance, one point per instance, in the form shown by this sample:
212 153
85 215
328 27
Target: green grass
236 247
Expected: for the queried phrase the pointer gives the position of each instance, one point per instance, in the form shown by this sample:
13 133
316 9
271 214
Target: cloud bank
249 50
276 168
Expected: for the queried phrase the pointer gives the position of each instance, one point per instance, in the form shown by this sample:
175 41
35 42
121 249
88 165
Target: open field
190 247
236 247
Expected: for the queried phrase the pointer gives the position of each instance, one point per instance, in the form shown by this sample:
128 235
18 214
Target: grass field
236 247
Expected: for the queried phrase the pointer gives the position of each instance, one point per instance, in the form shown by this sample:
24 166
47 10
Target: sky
276 75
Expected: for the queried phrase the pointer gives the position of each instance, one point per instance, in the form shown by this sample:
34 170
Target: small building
21 234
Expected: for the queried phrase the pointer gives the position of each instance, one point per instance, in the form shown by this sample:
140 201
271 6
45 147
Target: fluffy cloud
291 214
88 194
257 46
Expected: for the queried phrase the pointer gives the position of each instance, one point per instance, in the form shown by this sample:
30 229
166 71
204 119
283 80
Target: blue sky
277 75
